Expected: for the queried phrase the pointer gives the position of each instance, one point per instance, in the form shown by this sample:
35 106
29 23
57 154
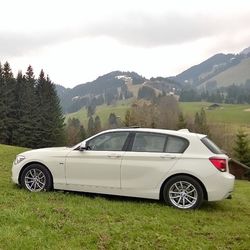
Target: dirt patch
247 110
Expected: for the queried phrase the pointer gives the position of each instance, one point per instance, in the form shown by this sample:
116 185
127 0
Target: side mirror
83 146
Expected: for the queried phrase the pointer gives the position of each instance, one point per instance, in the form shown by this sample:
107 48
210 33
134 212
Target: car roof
182 132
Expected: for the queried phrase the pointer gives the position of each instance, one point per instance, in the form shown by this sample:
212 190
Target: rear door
150 157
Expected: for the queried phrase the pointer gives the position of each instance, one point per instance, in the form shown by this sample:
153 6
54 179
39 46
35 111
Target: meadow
67 220
226 113
235 115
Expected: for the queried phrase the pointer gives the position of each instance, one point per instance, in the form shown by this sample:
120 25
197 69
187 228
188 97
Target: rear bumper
220 186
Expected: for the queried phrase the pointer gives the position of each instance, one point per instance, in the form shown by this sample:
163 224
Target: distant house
239 170
213 106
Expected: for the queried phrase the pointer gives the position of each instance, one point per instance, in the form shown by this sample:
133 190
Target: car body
181 167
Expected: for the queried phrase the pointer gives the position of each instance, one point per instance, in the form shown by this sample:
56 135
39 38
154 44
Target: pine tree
113 120
19 131
128 119
242 147
75 132
3 115
200 123
50 126
181 121
31 105
97 124
10 98
91 126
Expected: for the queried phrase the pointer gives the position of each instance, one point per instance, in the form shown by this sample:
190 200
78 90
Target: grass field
103 111
64 220
227 113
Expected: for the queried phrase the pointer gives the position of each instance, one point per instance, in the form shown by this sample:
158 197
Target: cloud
151 31
136 29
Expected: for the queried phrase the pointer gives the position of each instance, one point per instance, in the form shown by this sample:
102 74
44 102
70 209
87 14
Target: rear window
211 146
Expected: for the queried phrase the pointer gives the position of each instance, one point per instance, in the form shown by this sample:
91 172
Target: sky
75 41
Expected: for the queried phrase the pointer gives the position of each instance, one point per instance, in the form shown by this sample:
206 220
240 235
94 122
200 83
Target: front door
99 166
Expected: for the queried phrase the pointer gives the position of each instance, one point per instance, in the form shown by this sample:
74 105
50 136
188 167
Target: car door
149 159
100 165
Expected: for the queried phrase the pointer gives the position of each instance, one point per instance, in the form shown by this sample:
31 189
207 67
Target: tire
183 192
36 178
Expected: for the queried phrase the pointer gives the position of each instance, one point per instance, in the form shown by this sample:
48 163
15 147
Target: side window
149 142
108 142
176 144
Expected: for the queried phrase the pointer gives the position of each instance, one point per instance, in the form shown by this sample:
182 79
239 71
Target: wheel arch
198 180
34 162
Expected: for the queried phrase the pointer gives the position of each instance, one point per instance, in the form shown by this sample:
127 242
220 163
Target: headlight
18 159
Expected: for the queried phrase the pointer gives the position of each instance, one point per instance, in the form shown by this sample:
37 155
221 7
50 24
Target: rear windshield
211 146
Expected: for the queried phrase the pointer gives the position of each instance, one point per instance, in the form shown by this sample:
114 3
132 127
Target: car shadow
206 206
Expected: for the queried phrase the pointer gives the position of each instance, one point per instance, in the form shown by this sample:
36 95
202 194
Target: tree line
234 94
30 112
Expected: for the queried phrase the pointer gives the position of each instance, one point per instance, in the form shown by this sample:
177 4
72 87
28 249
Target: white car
180 167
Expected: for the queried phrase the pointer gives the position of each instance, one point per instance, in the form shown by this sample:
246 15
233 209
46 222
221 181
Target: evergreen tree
50 124
91 126
97 124
128 118
30 107
112 120
75 131
10 103
19 131
3 115
181 121
200 123
241 148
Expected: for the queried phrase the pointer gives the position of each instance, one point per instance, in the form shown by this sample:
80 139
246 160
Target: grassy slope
103 111
228 113
62 220
237 74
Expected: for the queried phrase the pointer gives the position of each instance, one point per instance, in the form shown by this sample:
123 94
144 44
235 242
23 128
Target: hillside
237 74
110 88
104 89
199 73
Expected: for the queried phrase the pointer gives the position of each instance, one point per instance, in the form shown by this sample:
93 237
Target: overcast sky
76 41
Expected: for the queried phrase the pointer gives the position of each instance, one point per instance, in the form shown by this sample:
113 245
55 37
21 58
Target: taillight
220 164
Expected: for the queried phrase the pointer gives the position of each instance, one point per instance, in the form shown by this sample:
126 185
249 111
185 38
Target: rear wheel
183 192
36 178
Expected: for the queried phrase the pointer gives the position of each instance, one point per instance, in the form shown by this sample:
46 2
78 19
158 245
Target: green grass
228 113
103 111
66 220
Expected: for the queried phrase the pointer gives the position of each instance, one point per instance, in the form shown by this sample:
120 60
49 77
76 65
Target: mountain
217 71
237 74
245 51
204 71
104 89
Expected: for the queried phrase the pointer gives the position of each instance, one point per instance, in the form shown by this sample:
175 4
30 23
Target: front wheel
183 192
36 178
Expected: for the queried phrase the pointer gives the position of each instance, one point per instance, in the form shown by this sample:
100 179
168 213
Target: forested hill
104 89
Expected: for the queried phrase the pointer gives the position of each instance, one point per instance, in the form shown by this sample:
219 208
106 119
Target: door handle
171 157
113 156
